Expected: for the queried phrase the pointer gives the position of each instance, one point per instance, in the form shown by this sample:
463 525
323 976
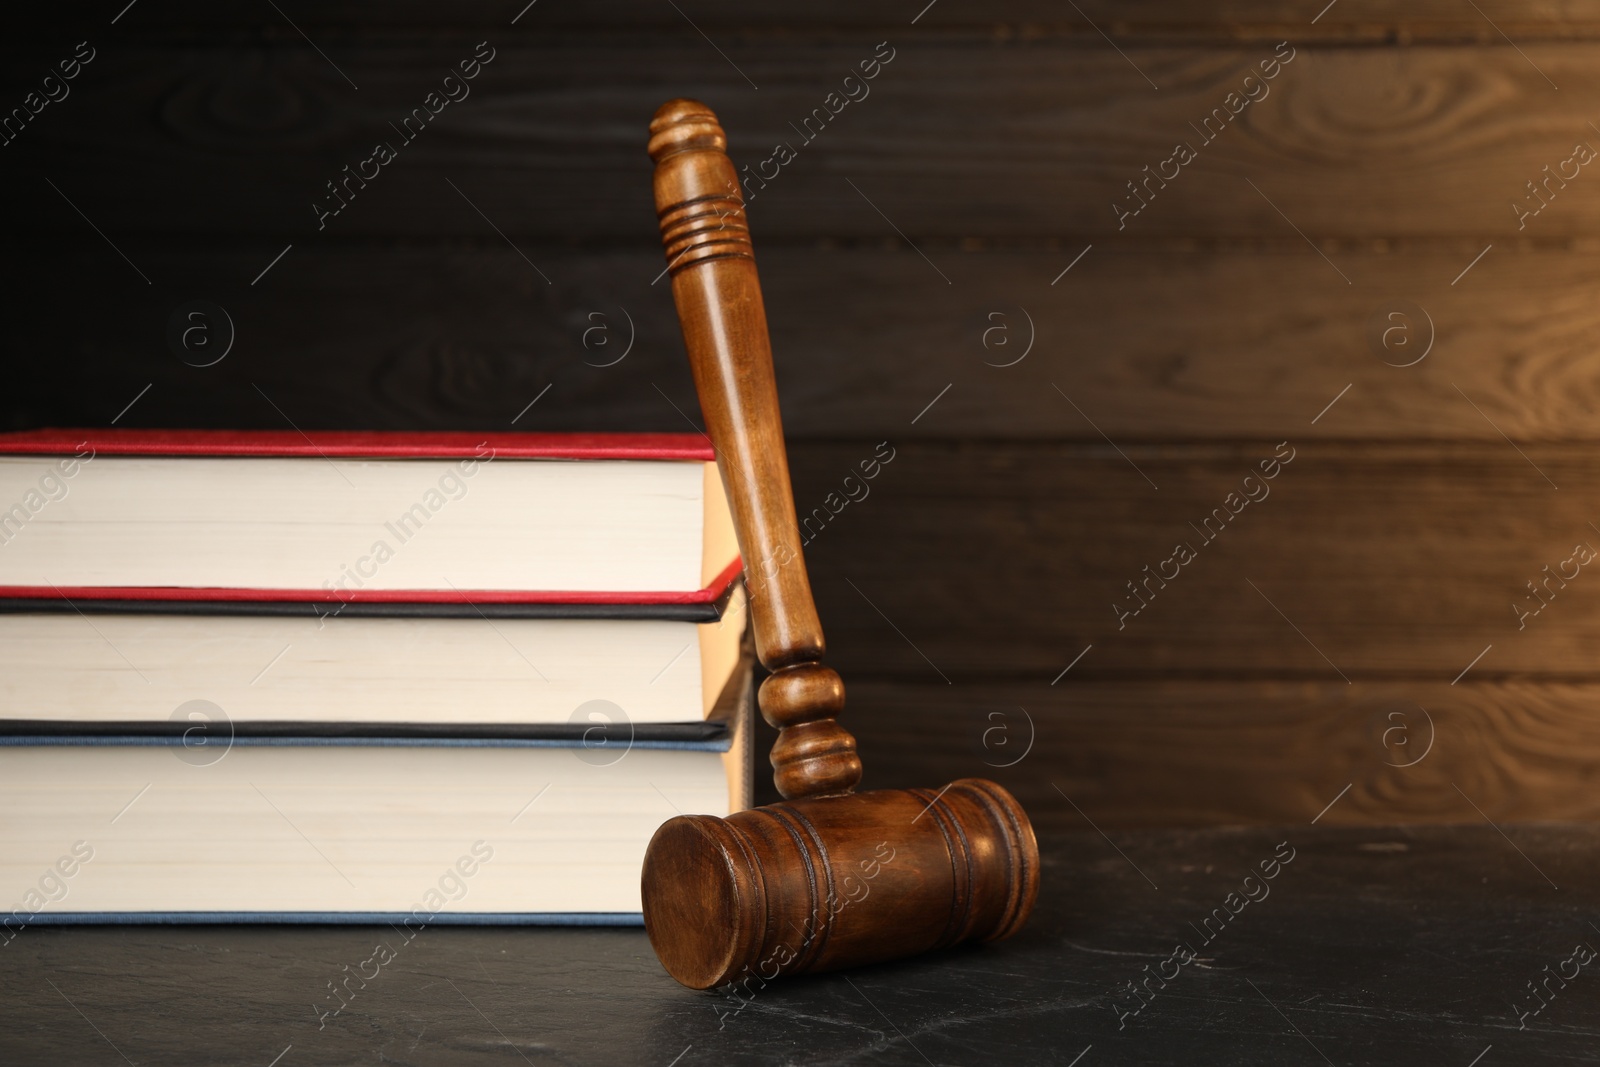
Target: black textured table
1413 946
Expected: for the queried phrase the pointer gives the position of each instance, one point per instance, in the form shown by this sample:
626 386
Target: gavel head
827 882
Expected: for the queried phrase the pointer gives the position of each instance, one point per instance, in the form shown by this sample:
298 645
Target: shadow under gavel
828 878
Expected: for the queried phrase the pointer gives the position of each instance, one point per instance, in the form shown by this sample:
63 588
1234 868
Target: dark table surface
1403 945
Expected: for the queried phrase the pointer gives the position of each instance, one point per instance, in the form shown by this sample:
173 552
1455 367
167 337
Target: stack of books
359 677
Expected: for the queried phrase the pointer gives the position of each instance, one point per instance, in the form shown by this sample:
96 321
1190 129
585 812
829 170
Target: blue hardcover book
202 819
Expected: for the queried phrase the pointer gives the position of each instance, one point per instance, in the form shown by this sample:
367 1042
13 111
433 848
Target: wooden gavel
830 878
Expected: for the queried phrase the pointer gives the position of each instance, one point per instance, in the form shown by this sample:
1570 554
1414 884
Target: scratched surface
1371 945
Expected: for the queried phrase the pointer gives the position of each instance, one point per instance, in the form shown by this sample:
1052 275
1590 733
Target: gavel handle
718 295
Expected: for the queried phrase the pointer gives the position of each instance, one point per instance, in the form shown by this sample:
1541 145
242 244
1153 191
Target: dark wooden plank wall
910 252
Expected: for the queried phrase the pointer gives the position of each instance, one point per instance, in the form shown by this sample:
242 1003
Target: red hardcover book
390 523
359 444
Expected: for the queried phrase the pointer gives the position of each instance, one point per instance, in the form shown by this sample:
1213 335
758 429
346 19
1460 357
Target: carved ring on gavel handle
828 878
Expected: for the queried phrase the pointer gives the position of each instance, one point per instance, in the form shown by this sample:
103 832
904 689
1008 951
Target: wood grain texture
1249 342
1392 549
718 296
992 561
1366 20
1202 752
825 883
1350 143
